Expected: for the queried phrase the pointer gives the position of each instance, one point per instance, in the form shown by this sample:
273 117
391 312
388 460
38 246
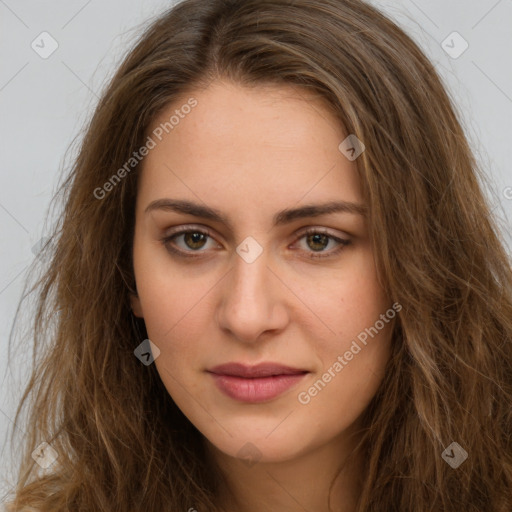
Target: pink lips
255 383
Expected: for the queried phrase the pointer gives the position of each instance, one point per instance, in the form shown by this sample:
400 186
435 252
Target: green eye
194 240
318 240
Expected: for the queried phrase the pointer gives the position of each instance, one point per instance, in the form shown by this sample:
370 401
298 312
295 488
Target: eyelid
323 230
301 232
184 228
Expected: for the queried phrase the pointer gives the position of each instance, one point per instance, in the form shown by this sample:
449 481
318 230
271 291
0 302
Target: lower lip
258 389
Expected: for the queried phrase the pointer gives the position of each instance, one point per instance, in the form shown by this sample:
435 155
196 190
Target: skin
250 153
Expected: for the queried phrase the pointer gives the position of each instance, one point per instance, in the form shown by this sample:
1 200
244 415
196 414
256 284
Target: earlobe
136 306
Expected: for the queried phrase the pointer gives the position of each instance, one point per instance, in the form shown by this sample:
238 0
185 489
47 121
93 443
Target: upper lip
259 370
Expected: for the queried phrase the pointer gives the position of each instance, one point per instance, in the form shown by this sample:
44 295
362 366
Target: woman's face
226 273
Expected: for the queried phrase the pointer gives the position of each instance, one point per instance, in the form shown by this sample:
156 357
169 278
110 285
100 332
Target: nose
253 300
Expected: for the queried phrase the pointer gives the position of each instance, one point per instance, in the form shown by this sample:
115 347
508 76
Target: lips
254 384
259 370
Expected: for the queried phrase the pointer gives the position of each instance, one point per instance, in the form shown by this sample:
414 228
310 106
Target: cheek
169 296
350 301
177 313
357 334
342 396
173 318
351 369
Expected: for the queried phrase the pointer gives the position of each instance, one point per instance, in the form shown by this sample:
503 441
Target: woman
276 283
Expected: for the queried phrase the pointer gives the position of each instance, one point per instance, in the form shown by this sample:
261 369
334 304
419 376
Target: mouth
253 384
256 371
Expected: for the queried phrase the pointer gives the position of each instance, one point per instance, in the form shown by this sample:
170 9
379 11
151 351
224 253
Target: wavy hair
121 441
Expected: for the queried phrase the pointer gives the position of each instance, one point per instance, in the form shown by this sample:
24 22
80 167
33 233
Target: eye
318 240
195 240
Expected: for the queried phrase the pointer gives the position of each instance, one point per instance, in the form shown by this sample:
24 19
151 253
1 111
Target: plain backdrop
44 103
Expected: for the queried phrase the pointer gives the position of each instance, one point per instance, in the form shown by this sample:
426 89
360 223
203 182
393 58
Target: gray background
45 102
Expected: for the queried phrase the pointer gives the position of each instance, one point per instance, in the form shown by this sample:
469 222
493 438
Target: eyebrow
281 218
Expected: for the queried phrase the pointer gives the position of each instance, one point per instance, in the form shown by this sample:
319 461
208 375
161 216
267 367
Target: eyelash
166 241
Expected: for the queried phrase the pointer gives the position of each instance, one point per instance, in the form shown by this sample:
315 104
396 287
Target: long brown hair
122 443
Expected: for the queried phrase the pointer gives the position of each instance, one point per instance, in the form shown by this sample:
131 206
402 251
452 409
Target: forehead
259 143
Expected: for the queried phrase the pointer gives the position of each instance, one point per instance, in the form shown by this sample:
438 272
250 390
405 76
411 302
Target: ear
136 305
